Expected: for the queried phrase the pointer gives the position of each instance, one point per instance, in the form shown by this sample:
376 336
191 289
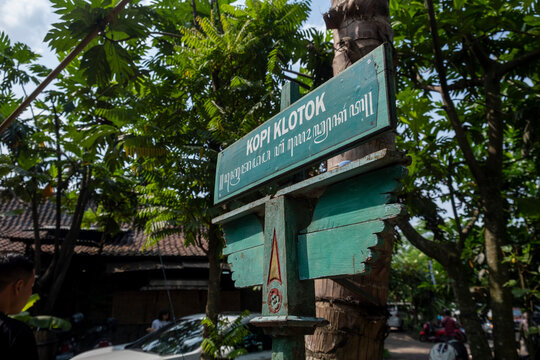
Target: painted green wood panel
244 246
243 233
290 92
358 199
371 162
348 109
247 266
338 251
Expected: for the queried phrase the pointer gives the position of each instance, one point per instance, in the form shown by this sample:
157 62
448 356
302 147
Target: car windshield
181 338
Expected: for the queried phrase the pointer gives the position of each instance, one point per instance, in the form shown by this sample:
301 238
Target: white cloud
318 7
27 21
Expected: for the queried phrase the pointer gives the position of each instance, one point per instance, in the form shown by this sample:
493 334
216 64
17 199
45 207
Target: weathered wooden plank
366 164
243 233
346 110
245 249
247 266
290 92
380 212
359 199
339 251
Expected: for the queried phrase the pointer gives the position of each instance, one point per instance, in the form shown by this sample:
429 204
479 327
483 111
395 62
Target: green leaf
31 301
458 4
519 292
533 20
49 322
529 207
95 66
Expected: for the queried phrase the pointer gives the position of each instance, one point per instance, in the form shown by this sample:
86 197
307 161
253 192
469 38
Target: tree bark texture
214 260
495 227
213 300
477 339
37 237
357 319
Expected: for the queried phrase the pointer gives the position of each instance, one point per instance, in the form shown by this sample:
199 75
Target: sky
28 21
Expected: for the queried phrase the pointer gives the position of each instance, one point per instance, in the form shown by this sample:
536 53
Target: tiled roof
17 230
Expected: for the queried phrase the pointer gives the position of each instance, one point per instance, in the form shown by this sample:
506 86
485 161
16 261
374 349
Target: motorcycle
82 338
431 333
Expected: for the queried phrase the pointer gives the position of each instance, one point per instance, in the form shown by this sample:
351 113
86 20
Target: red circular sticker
274 300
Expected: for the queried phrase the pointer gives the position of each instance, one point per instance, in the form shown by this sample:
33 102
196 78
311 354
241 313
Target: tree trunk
37 238
468 313
58 270
357 318
59 186
488 177
215 246
495 227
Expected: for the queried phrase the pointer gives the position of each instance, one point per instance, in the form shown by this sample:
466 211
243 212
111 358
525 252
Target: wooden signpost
328 226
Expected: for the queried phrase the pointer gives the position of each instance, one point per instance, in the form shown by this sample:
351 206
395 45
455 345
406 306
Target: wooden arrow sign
345 231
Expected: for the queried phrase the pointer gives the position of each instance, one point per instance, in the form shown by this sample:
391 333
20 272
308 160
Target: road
403 347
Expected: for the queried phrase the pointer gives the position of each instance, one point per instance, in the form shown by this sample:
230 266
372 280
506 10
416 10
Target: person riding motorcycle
450 325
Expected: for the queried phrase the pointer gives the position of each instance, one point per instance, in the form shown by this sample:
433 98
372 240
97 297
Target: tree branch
296 81
461 238
519 61
479 53
459 85
296 73
436 251
164 33
447 100
119 40
72 55
467 229
195 16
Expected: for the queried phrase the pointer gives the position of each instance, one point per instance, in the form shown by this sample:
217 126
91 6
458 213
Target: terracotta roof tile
7 246
17 230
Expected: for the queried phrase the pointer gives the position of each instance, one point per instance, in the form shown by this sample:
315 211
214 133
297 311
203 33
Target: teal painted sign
346 110
331 225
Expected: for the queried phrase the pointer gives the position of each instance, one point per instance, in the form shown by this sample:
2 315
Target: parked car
394 321
181 340
518 317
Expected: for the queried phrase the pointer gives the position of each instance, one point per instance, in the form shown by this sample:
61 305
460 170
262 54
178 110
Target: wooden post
286 299
332 225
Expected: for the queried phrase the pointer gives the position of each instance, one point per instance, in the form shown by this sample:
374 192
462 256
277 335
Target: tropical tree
69 148
466 92
21 174
225 68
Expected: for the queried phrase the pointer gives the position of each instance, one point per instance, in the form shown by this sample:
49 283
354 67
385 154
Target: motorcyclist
449 324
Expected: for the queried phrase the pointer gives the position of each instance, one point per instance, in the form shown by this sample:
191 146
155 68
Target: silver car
180 341
394 321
